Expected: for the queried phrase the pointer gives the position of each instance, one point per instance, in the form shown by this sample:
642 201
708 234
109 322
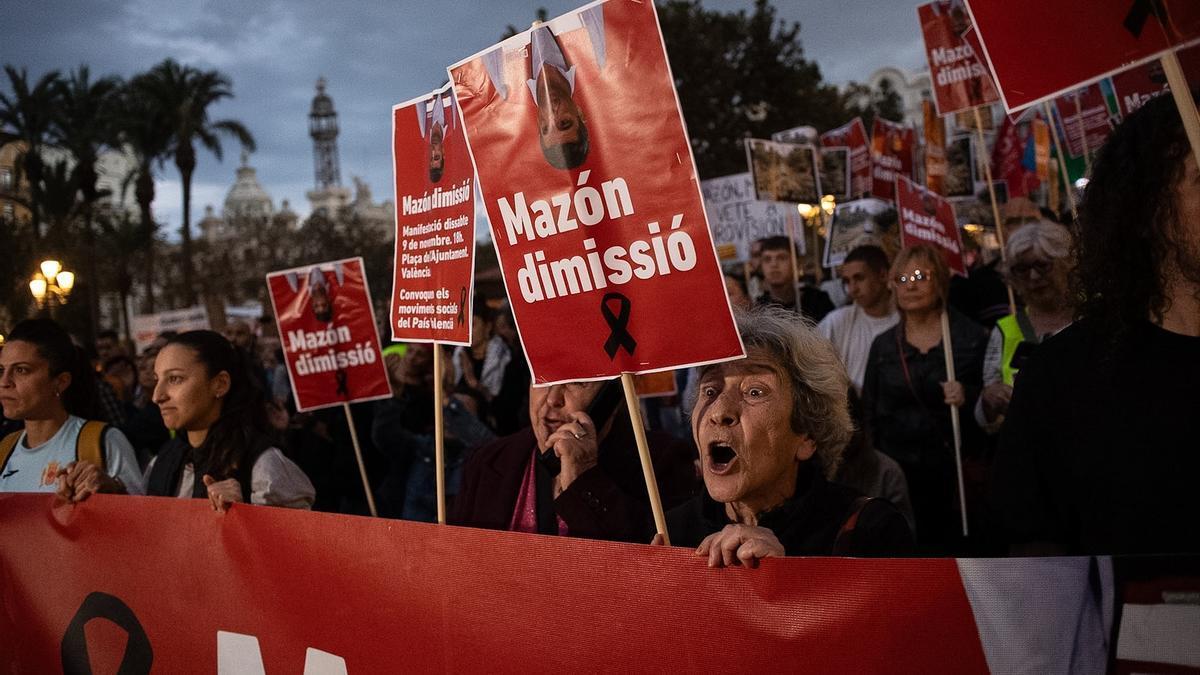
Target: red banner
1040 49
435 222
927 217
593 197
853 135
961 80
892 147
328 333
183 589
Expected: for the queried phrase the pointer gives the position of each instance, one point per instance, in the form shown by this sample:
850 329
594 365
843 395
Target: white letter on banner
239 654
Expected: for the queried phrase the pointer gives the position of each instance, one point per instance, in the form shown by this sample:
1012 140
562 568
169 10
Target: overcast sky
373 54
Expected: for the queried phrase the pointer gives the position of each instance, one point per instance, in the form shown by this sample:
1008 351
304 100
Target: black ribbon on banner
618 325
139 655
462 304
1140 12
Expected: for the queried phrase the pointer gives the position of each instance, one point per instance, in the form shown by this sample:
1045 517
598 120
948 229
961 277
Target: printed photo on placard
835 173
784 172
858 223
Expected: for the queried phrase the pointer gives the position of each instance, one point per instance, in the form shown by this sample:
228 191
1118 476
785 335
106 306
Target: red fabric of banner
391 596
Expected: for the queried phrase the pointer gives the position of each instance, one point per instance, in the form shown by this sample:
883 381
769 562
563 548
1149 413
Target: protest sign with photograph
961 170
926 217
1087 118
861 222
327 331
598 222
435 222
935 149
961 80
737 219
1041 49
892 148
835 172
1133 87
147 327
783 172
805 135
853 135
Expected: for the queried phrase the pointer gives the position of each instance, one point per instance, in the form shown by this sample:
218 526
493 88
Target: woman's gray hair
811 365
1049 240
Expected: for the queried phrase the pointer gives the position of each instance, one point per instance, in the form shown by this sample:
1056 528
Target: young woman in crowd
907 396
47 383
222 449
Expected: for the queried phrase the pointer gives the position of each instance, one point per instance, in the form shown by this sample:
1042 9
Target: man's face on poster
437 160
321 306
560 122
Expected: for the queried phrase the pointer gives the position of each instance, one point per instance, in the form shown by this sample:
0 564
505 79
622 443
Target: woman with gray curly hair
771 429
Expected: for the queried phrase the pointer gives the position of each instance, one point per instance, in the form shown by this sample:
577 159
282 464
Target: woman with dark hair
1099 449
223 450
46 383
907 396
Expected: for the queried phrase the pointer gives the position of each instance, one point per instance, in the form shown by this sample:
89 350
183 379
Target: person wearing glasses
1039 267
907 396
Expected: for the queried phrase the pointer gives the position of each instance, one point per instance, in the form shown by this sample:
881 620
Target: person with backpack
222 449
47 384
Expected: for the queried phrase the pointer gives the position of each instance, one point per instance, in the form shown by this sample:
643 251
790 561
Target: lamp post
51 285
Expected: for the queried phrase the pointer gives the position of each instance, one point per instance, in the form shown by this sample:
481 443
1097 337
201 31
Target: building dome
247 198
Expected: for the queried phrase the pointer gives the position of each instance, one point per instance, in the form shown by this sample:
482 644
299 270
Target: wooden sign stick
643 446
439 435
362 468
1062 163
948 350
987 172
1183 100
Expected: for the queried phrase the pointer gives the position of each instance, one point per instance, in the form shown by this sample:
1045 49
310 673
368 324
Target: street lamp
51 284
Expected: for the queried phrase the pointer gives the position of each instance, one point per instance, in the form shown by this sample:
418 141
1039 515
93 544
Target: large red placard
927 217
328 333
1040 49
853 135
593 197
892 149
435 222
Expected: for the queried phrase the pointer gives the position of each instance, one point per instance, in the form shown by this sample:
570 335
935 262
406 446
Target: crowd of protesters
1078 427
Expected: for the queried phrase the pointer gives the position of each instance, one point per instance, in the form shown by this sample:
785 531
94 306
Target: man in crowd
853 328
779 278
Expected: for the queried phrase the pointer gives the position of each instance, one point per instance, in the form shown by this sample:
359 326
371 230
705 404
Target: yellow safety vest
1011 331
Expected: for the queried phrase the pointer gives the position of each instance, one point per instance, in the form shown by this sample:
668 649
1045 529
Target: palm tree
142 127
29 113
86 123
184 94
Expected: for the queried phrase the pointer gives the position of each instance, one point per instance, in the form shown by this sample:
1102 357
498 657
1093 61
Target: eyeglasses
1042 267
914 276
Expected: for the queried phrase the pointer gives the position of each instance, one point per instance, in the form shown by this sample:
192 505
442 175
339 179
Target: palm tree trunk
185 171
145 196
93 279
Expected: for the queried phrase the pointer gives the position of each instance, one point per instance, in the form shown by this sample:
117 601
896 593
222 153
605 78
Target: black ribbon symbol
139 655
618 324
1140 12
462 304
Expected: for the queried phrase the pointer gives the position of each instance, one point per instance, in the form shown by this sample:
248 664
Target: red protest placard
927 217
1040 49
328 333
593 198
892 147
853 135
1137 85
961 81
1086 119
435 222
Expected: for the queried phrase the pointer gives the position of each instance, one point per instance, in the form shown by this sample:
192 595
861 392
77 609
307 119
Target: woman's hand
79 480
740 545
577 447
223 493
995 400
955 395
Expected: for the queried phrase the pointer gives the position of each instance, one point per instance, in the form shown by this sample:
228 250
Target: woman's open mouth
720 457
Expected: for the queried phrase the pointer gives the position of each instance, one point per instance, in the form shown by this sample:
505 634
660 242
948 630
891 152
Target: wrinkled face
27 389
189 399
865 286
749 452
916 288
551 407
319 301
737 297
777 267
559 118
1040 280
437 160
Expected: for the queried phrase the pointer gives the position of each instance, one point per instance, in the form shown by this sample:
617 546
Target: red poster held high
927 217
961 80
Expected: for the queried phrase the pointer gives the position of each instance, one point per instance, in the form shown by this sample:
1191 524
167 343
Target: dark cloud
373 54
